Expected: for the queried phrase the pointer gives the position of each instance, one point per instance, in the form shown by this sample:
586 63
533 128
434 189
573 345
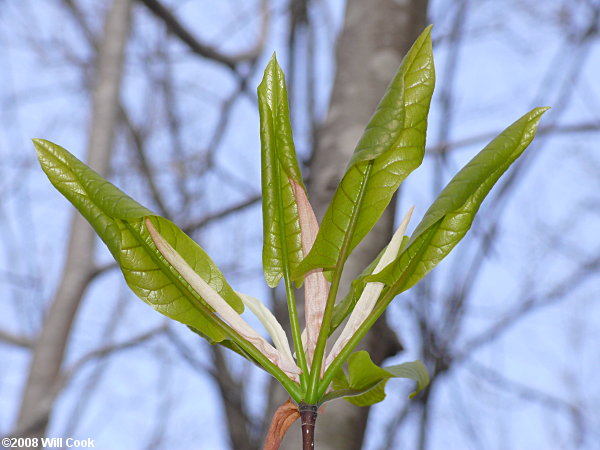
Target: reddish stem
308 417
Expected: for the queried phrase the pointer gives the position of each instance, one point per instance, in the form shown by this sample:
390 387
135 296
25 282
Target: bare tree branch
553 129
13 339
188 355
110 350
90 385
200 48
531 303
529 393
207 220
138 139
243 429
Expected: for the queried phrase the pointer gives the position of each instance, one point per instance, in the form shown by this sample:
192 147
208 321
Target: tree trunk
375 37
44 377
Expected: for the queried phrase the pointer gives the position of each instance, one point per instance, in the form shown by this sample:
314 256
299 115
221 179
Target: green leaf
97 200
365 384
450 216
156 282
118 220
282 246
392 146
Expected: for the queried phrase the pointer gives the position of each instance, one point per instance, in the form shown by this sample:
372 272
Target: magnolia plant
171 273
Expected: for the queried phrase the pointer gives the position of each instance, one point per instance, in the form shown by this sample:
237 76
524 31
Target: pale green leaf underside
118 220
282 246
453 211
392 146
345 306
365 383
156 282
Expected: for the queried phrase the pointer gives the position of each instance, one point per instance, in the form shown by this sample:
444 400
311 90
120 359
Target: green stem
379 309
314 384
296 333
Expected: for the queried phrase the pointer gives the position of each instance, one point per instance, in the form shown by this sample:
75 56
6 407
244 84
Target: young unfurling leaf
216 302
271 324
282 189
282 247
371 292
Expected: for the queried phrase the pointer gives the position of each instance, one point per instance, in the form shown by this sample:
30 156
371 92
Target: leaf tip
540 110
409 214
272 279
535 115
273 64
39 144
151 228
272 76
425 36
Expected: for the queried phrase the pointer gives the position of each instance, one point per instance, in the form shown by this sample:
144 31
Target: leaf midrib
345 247
181 285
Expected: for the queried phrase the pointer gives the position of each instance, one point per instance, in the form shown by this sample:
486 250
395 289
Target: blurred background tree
160 96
